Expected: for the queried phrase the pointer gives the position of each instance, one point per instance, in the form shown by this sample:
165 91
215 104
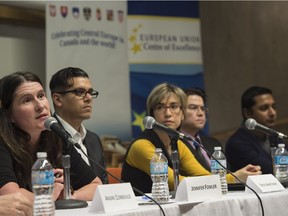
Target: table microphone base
70 204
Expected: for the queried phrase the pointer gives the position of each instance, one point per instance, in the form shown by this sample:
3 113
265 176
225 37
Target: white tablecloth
232 204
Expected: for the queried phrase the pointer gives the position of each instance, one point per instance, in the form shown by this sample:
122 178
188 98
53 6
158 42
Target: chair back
116 171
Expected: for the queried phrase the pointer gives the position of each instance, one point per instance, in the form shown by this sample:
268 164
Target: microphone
251 124
66 203
150 123
52 124
120 181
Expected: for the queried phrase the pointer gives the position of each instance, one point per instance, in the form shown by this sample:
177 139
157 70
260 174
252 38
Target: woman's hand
15 204
58 184
58 175
243 173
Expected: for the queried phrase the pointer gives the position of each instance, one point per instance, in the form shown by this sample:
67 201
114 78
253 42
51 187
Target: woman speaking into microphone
166 105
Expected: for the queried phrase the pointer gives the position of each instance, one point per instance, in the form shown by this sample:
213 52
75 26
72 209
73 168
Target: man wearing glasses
72 94
194 122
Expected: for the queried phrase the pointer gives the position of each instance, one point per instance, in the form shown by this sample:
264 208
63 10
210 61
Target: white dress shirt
77 136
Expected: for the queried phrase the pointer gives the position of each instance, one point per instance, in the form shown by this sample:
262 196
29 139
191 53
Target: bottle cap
158 150
281 145
41 154
217 148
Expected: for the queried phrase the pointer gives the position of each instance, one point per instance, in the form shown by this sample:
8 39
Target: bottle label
43 177
215 165
159 168
281 160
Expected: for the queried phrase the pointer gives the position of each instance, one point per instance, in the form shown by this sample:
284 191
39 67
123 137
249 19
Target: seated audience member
72 94
15 204
194 121
24 109
166 103
251 146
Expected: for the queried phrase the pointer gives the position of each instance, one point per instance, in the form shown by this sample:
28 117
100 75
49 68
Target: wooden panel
244 44
22 16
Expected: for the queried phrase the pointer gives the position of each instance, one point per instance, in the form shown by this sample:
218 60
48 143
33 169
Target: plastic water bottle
42 186
281 165
217 169
159 176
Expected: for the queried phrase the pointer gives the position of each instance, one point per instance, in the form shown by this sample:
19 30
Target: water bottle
42 186
281 165
159 176
216 168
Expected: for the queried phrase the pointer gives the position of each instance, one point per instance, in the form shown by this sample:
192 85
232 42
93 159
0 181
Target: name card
199 188
113 197
263 184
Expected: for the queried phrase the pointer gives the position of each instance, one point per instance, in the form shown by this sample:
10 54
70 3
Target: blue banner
164 46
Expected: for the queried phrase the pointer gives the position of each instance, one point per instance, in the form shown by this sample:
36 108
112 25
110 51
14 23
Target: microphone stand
66 166
175 161
72 203
68 203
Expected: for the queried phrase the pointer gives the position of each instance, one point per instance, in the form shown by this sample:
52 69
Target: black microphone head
148 122
48 122
250 124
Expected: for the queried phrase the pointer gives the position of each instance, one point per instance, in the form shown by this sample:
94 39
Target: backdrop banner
92 35
164 46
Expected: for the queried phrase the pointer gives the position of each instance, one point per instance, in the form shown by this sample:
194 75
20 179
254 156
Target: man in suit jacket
72 95
194 122
252 146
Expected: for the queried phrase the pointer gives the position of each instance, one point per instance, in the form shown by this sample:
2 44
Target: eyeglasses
195 108
81 92
174 108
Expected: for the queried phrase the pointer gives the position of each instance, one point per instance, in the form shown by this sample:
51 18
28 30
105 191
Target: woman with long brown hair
23 110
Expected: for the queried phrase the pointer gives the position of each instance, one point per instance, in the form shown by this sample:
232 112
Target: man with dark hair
194 122
72 95
251 146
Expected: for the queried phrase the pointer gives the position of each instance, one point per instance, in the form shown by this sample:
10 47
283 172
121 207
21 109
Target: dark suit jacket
244 148
95 152
209 143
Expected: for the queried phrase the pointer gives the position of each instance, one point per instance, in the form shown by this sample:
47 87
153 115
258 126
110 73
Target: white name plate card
263 184
199 188
113 197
